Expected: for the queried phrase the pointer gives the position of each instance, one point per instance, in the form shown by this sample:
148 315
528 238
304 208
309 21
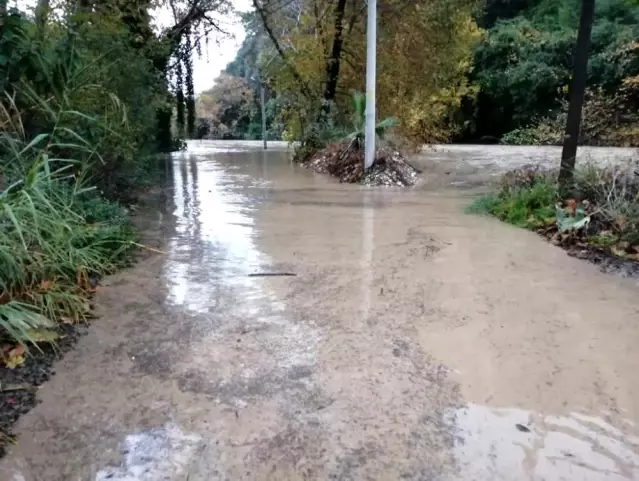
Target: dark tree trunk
577 91
163 136
41 16
333 62
3 12
179 98
190 91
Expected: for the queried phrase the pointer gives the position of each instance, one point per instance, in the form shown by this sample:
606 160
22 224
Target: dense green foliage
231 108
444 76
529 206
522 68
311 55
66 119
85 101
602 211
526 198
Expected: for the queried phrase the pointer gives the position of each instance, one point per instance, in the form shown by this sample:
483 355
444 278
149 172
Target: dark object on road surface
345 161
273 274
522 428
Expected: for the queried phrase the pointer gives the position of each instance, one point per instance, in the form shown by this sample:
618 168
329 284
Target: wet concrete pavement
414 341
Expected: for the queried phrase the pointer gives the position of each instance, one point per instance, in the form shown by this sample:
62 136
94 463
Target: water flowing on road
295 328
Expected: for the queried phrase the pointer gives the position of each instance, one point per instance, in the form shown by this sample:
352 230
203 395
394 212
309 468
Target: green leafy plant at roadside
327 130
606 120
57 236
49 253
603 214
316 135
358 105
529 207
574 221
613 193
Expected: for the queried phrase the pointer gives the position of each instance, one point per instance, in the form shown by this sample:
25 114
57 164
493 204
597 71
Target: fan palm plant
358 104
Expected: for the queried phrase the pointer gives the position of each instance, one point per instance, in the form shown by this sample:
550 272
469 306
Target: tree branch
305 89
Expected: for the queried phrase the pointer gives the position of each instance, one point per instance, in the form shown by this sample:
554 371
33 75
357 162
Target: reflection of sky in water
213 250
213 239
576 447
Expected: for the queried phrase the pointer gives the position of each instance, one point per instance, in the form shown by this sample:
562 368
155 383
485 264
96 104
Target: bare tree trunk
263 105
3 12
41 16
577 91
333 62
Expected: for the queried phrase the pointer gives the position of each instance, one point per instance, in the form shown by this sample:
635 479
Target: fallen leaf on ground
16 351
67 320
15 387
15 357
43 335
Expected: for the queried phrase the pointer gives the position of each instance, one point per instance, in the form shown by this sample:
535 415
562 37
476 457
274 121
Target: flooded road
409 341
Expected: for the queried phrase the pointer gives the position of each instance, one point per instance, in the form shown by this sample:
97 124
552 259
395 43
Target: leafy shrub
547 132
523 65
315 136
61 126
358 106
604 211
613 192
529 207
49 252
319 134
606 120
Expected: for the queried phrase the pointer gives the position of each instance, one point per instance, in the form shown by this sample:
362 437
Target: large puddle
407 340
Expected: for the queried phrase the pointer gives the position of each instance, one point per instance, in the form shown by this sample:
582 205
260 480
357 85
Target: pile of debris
345 160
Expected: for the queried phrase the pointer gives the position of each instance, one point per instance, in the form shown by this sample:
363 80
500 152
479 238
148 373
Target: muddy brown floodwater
414 342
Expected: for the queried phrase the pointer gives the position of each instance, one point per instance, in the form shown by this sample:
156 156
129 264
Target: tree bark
41 16
161 61
577 92
163 134
333 62
3 12
305 90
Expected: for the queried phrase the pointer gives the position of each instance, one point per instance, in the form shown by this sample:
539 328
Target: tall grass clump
74 131
525 198
57 236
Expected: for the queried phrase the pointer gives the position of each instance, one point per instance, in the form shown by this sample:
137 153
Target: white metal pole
371 73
